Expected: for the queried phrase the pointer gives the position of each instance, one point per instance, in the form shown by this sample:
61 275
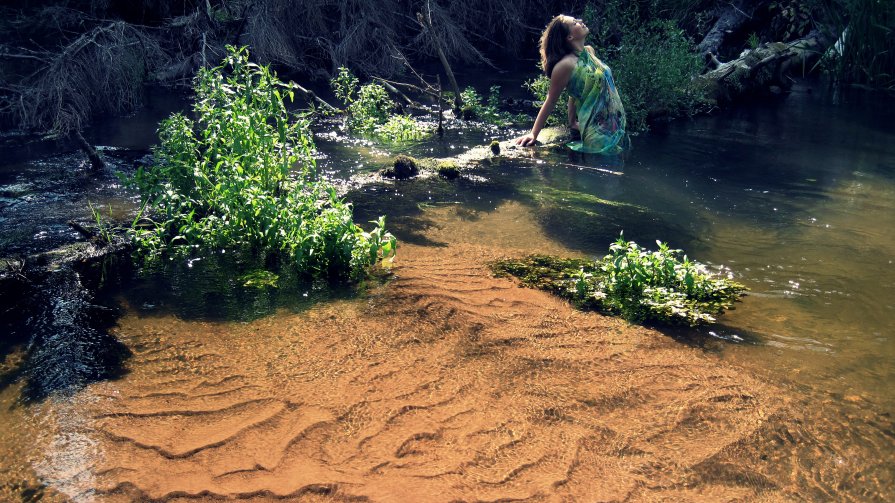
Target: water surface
795 199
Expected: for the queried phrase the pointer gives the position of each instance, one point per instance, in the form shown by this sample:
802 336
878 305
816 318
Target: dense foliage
662 286
370 110
242 175
866 32
652 61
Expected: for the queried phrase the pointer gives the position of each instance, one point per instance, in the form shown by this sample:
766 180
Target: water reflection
70 344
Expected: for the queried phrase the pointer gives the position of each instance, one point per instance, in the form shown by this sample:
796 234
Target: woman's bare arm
562 72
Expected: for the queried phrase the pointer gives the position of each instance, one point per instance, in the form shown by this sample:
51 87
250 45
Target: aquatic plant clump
475 107
639 285
242 175
369 110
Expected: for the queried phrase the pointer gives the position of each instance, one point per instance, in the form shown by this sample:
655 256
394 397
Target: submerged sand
445 384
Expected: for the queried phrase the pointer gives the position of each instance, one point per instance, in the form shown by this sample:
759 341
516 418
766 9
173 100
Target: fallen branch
84 231
312 96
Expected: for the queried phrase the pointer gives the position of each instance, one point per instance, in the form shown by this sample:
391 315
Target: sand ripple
444 385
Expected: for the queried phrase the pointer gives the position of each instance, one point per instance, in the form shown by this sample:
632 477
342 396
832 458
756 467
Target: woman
594 108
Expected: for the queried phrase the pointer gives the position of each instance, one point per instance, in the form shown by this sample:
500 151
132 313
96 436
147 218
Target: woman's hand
527 140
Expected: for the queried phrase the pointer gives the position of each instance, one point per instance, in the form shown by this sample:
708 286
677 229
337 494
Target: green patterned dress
601 116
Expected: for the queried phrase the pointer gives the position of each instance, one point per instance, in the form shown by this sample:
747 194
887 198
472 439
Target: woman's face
577 29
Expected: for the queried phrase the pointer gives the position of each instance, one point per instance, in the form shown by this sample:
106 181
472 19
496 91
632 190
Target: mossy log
764 70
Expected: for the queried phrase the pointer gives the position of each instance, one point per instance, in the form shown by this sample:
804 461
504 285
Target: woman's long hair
554 43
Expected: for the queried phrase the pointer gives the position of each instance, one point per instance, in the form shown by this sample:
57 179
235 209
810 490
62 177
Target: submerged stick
95 160
440 111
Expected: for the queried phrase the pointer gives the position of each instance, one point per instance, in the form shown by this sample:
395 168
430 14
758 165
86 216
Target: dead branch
426 24
312 96
392 89
101 71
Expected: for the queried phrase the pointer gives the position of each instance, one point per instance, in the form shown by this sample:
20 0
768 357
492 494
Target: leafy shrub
475 107
226 180
369 110
399 128
655 67
663 286
863 54
652 61
344 85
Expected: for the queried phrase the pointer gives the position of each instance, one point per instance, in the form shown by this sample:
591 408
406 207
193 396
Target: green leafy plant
344 85
242 175
640 285
400 128
475 107
369 110
753 40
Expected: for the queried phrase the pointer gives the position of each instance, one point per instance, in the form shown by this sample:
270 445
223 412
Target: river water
795 199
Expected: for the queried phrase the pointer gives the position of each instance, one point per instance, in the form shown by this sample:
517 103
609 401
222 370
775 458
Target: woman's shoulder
568 61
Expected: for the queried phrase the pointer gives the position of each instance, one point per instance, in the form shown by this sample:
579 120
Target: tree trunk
458 102
731 17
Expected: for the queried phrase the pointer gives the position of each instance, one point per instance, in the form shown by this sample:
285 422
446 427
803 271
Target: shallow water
795 199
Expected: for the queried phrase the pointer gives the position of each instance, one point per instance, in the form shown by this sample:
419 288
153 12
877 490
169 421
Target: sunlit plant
476 107
662 285
242 175
369 110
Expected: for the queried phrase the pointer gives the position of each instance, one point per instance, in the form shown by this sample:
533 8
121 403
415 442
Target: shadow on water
66 332
713 338
63 320
225 287
559 193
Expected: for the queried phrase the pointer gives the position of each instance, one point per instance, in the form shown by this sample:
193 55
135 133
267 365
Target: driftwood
765 69
390 87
